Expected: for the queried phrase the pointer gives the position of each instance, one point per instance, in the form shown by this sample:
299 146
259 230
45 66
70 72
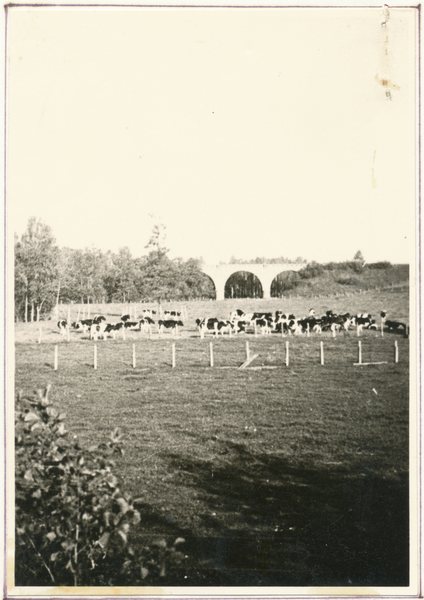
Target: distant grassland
277 476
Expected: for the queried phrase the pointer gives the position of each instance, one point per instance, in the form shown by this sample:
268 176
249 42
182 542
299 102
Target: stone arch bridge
265 272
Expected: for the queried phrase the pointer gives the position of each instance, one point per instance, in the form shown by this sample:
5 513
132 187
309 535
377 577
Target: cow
284 323
98 319
133 325
225 327
312 324
172 324
395 326
239 326
146 324
211 324
95 331
236 315
62 326
264 325
363 320
111 329
147 312
83 325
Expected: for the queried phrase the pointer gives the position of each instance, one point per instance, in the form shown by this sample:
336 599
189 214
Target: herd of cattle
279 322
238 322
99 327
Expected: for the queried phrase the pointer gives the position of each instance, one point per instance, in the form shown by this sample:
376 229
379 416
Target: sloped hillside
344 278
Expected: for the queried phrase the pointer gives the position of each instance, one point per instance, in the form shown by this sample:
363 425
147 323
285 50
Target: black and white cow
133 325
237 315
214 325
62 326
98 319
111 329
146 324
83 325
263 324
171 324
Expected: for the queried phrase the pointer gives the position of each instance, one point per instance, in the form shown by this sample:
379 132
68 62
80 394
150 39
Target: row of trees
46 274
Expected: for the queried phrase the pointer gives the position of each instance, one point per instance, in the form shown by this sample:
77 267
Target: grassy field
274 475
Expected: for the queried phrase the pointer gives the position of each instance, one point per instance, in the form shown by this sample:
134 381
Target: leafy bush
347 280
384 264
73 524
312 269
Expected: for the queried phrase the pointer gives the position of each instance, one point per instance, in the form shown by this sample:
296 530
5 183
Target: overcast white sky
248 132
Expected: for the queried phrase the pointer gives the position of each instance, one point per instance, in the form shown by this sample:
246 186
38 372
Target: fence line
251 357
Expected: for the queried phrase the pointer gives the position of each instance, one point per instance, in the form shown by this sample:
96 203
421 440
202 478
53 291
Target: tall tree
86 272
156 243
36 267
121 277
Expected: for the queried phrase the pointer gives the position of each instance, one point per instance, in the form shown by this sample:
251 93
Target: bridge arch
265 272
284 282
243 284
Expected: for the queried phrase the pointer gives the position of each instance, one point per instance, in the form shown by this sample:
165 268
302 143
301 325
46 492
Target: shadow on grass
272 522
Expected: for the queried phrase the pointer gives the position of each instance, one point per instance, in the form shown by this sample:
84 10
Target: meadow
275 475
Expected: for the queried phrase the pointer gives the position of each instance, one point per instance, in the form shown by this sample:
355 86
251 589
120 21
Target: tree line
46 274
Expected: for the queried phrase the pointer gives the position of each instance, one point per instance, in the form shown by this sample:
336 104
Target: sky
246 132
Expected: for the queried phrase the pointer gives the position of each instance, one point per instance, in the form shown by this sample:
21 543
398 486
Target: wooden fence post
133 356
359 353
396 352
322 352
287 354
211 353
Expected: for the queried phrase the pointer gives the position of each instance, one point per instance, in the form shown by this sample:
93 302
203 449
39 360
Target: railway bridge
265 272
